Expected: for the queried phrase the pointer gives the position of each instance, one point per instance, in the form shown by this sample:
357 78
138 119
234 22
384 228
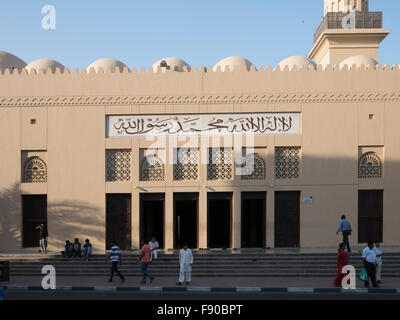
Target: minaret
347 29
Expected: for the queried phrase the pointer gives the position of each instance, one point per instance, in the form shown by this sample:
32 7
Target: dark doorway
118 220
34 212
219 217
287 219
253 219
152 217
370 215
186 219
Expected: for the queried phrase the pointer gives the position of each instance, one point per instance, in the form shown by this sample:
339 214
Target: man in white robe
186 263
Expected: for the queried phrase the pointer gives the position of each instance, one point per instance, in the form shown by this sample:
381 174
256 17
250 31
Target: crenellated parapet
193 69
199 86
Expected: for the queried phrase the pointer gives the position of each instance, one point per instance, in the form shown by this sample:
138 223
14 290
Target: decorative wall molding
201 99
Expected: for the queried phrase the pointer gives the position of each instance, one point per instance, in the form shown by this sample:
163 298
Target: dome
232 62
107 64
44 64
359 61
173 64
298 61
7 60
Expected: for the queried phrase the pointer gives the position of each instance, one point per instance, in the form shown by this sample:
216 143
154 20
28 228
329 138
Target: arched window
254 168
370 166
35 170
152 169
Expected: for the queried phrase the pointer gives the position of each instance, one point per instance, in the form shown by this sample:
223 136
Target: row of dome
10 61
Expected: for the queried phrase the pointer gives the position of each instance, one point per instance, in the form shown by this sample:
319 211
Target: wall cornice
201 99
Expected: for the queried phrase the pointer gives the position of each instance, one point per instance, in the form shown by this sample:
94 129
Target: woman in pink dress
342 260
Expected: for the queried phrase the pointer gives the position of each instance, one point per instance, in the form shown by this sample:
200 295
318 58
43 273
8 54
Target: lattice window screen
254 168
118 165
186 166
152 169
220 164
35 170
287 162
370 166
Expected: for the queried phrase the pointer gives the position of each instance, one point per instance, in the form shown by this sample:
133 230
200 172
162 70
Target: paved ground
269 282
151 296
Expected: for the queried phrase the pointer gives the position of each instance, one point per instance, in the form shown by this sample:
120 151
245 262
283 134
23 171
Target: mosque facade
226 156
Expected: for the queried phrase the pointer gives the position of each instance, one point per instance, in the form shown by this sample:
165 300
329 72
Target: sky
202 32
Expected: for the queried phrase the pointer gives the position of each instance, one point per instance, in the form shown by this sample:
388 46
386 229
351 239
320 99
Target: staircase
206 264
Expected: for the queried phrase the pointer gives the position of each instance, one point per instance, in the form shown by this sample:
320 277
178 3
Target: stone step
206 264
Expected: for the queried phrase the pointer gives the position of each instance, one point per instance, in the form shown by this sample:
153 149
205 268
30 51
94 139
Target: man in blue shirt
345 228
115 257
370 260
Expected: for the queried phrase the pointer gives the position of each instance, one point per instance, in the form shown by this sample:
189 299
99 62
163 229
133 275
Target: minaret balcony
349 20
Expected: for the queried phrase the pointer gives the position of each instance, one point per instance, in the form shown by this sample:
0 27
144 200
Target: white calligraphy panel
203 124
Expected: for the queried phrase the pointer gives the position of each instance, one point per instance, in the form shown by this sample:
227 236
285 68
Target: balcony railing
341 20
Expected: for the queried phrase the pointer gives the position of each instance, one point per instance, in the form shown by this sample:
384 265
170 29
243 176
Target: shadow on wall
66 220
78 220
10 218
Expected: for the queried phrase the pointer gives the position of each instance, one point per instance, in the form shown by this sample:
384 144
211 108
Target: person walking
43 235
345 228
115 257
153 244
342 260
370 261
145 260
186 263
378 252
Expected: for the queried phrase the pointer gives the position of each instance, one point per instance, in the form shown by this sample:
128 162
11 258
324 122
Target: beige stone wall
70 111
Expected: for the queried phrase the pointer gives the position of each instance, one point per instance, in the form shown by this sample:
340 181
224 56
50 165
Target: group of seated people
75 249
